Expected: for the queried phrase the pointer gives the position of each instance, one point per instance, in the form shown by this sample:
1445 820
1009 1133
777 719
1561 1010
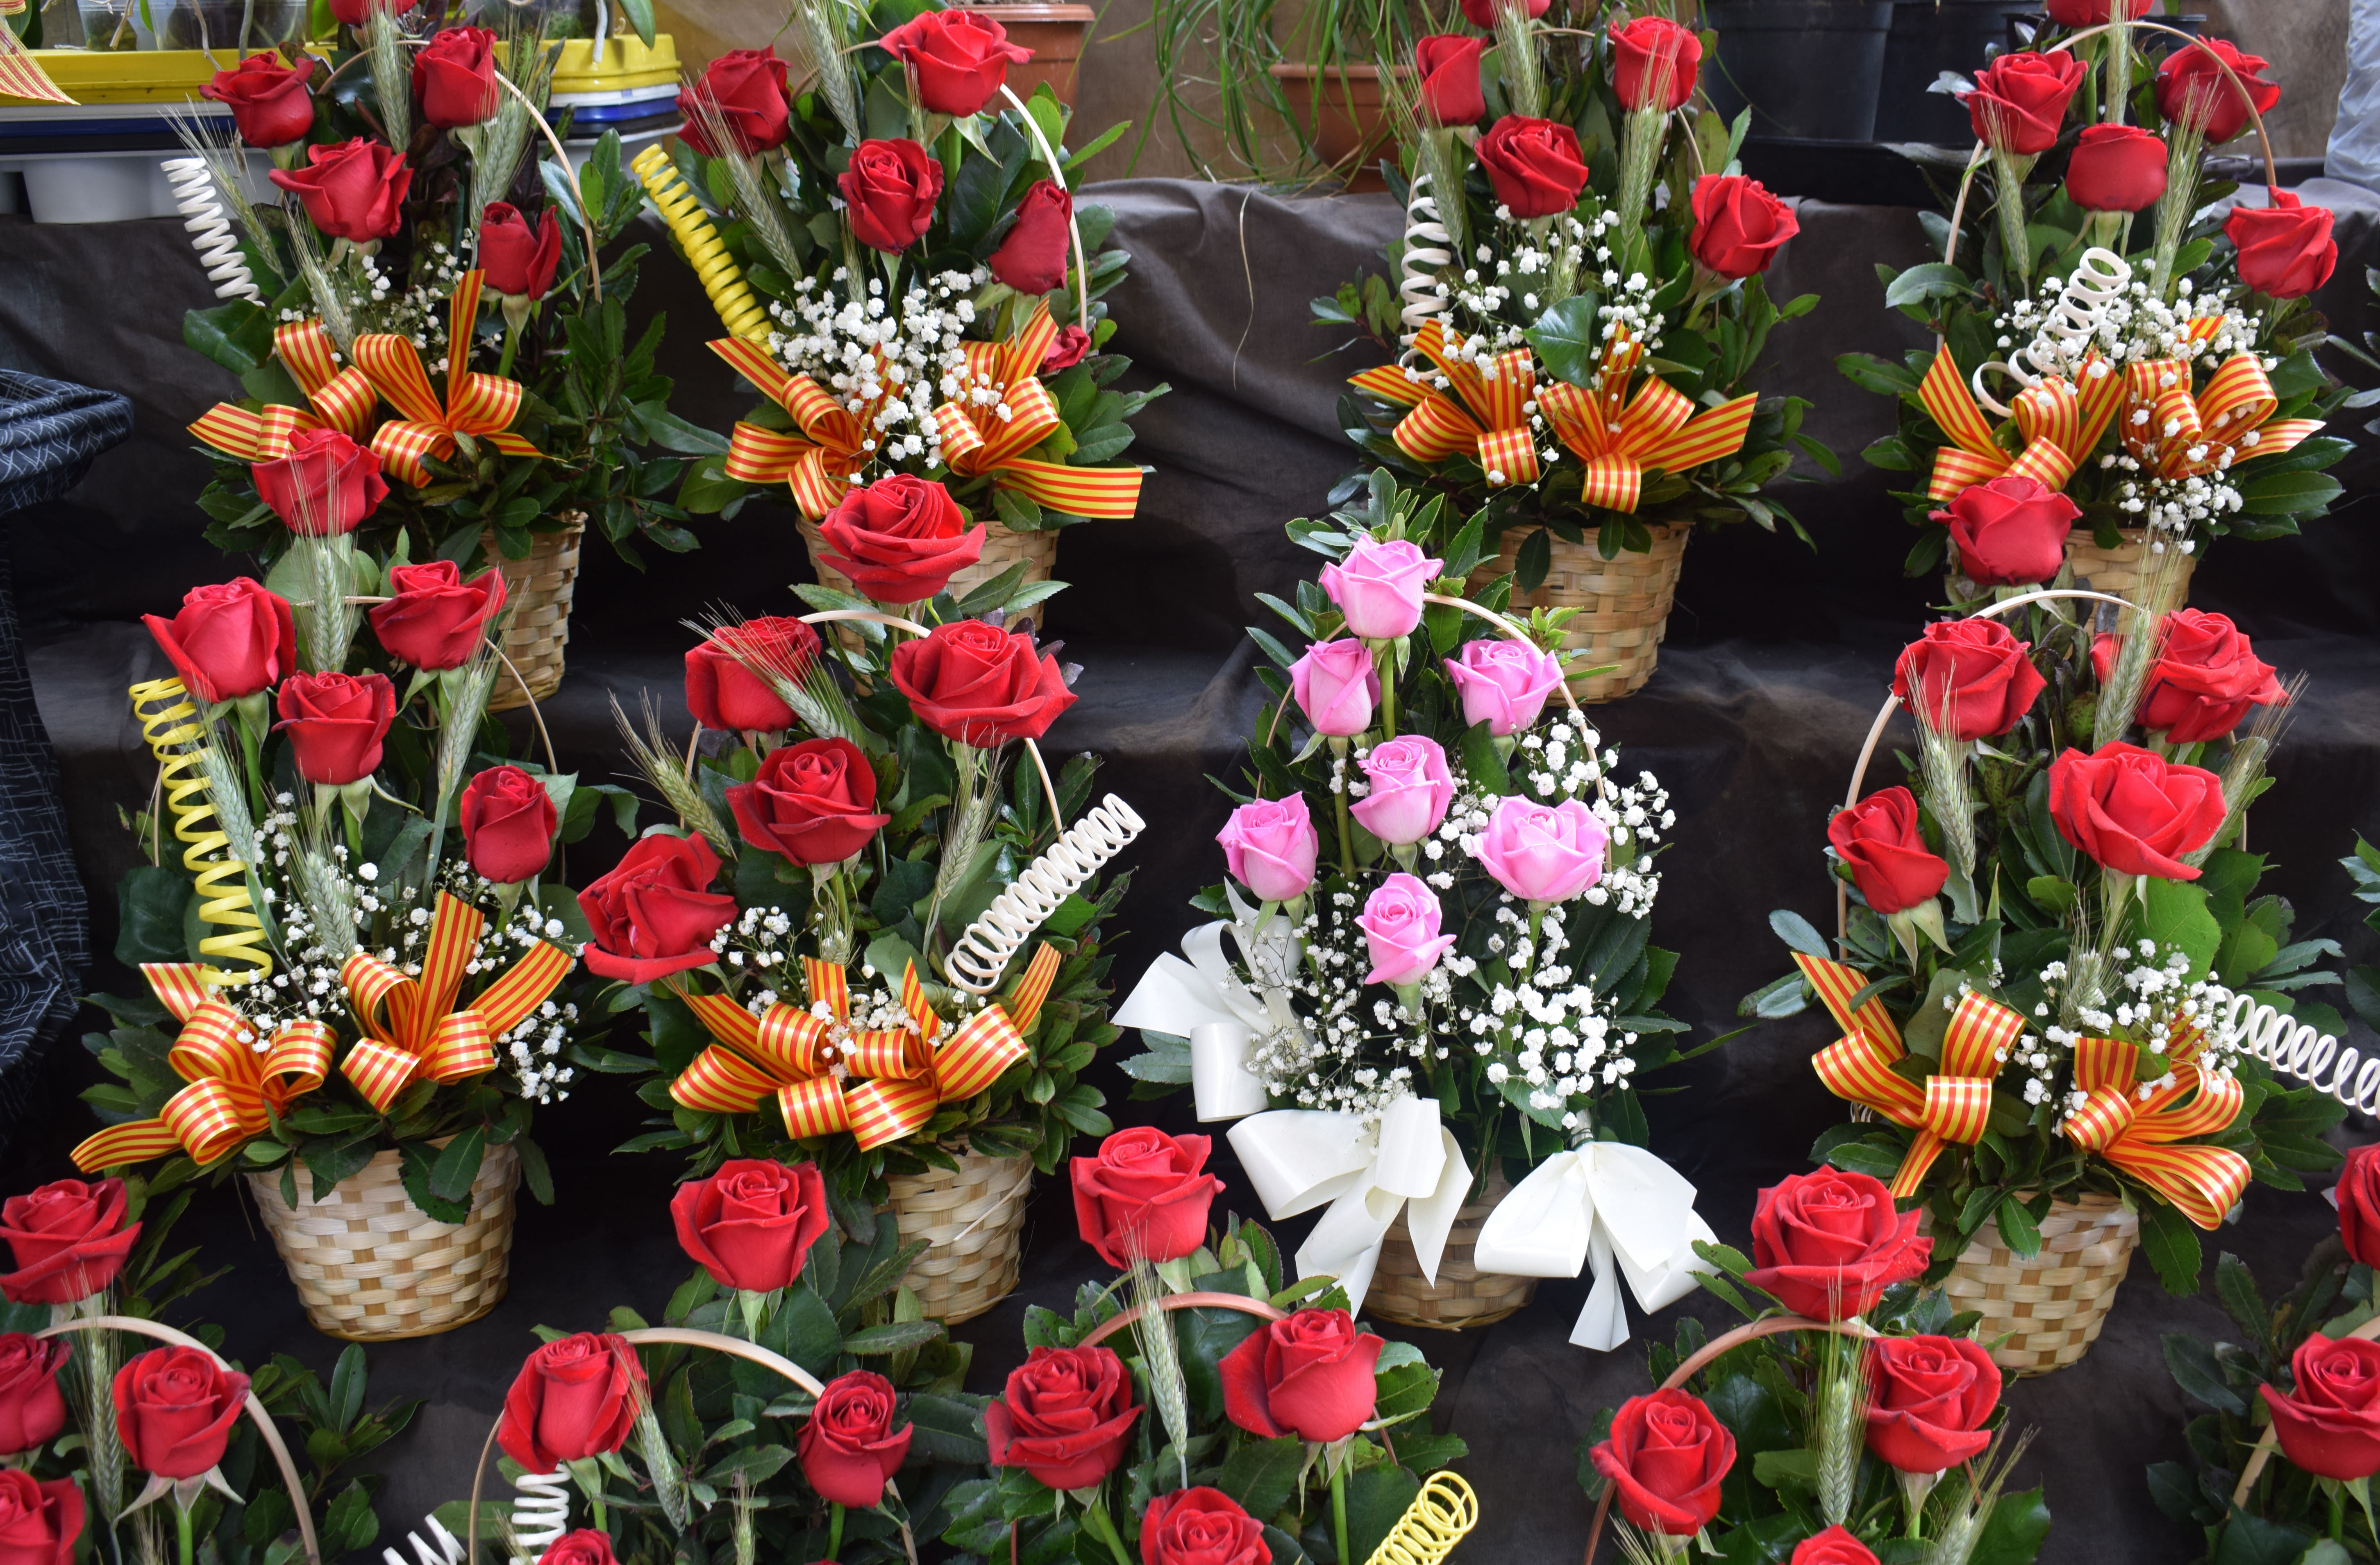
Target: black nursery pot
1928 38
1809 69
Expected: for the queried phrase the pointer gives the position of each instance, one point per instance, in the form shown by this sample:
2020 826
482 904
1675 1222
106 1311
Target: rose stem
834 1532
1338 1510
1095 1517
182 1529
1338 804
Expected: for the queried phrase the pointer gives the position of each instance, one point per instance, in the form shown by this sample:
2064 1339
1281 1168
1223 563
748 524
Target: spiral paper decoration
2100 276
1425 250
210 235
2294 1047
982 953
1438 1519
170 721
705 252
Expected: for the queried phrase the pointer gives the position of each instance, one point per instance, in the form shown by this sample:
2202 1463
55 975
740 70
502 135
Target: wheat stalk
1161 1356
660 767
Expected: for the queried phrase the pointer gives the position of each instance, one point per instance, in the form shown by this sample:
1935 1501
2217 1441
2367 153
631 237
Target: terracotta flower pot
1056 35
1343 116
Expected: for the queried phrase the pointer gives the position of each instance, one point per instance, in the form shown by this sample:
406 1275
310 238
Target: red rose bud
269 100
353 190
1482 13
69 1240
746 90
1828 1245
1534 165
1835 1546
433 618
31 1410
958 57
1447 68
2358 1192
454 76
1878 841
1738 226
174 1408
652 916
575 1397
518 261
2286 250
1654 63
1201 1526
814 802
326 484
351 12
1971 675
2330 1424
900 539
848 1446
721 689
2092 13
2011 532
979 685
1145 1193
1063 1417
2192 88
2206 677
1928 1401
584 1546
508 823
2115 168
1032 258
1311 1375
40 1522
231 640
751 1224
336 724
889 193
1666 1456
1068 349
2020 101
2132 810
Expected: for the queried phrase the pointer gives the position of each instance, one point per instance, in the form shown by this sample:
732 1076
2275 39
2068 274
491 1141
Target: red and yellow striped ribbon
478 405
21 75
235 1089
833 442
2056 424
2136 1135
411 1028
338 399
1618 439
1486 418
981 438
2184 435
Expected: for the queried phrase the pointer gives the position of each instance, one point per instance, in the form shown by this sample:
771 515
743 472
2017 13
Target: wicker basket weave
1627 603
2116 571
372 1267
2049 1306
1001 549
973 1223
539 587
1463 1296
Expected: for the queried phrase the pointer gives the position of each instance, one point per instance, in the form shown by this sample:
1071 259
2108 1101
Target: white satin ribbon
1203 1000
1608 1205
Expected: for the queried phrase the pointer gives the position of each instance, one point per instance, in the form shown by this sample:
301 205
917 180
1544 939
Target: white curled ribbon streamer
1408 1164
1202 1000
1610 1204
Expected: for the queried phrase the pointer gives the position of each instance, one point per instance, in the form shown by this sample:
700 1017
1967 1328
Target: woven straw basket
1001 549
2116 571
974 1224
1463 1296
372 1267
2049 1306
539 587
1627 603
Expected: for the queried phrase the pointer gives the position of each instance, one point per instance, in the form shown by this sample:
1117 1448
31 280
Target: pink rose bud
1411 788
1336 687
1400 925
1503 683
1543 852
1378 588
1269 846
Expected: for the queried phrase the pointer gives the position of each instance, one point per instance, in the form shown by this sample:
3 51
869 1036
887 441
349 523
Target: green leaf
2013 1533
2194 1369
1566 339
1798 1466
2237 1289
149 904
2016 1226
2289 494
1376 1499
1262 1474
811 1336
2251 1540
893 1337
459 1165
1933 280
237 335
1796 932
2177 917
2172 1248
1480 761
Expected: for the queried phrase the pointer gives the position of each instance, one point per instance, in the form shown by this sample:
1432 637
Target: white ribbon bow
1605 1202
1203 1000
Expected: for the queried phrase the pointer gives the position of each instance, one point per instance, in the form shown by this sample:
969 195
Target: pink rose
1543 852
1400 925
1336 686
1503 683
1269 846
1411 788
1378 588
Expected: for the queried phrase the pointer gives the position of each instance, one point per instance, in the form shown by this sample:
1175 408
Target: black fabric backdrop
1777 659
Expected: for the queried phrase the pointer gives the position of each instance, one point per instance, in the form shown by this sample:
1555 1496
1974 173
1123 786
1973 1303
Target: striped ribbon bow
338 399
897 1076
2177 435
236 1087
1618 439
1487 417
478 405
2057 423
982 437
2136 1134
1955 1104
411 1028
832 443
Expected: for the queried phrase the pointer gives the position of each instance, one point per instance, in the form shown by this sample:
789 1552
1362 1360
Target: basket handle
1240 1302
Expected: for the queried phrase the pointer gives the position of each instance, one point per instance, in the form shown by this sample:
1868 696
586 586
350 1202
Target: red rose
958 57
1446 66
1835 1546
745 89
1146 1194
1312 1376
230 639
1482 13
979 685
1828 1245
353 190
454 76
847 1445
2011 532
174 1408
2205 678
2330 1424
2115 168
2091 13
2359 1203
1664 1458
724 691
2285 248
900 539
40 1522
1032 258
337 722
814 802
1878 841
652 916
2132 810
326 484
575 1397
508 823
1971 675
69 1240
433 618
519 261
1653 63
1738 226
1063 1417
31 1410
2020 101
584 1546
1201 1526
351 12
2191 88
1534 165
1928 1401
269 100
751 1224
889 193
1068 349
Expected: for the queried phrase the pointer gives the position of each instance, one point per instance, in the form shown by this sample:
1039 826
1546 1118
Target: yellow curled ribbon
2136 1133
338 399
1955 1104
898 1077
833 442
1005 411
2176 435
477 404
1487 417
2057 426
411 1028
235 1089
1618 439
